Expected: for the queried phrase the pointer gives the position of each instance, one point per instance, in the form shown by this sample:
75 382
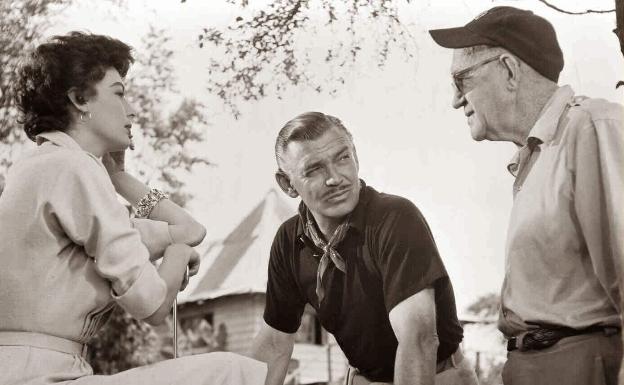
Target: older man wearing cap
561 301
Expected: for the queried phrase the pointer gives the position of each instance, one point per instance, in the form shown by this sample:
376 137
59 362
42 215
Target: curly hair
74 61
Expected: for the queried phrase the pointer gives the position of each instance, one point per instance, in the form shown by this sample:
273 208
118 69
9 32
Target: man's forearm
415 363
277 367
274 348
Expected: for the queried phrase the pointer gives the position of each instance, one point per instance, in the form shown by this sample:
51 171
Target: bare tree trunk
619 29
619 15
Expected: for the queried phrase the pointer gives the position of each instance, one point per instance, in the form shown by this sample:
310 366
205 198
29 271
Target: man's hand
414 323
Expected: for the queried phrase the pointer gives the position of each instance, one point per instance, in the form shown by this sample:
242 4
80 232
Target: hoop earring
82 116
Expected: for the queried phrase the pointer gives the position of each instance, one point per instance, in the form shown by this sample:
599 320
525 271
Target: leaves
164 146
124 343
21 27
486 305
266 52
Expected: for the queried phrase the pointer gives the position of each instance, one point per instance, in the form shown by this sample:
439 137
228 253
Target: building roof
238 264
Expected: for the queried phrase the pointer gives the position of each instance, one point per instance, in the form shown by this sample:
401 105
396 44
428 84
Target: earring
84 117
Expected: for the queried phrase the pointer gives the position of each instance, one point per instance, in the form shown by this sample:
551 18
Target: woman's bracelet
148 202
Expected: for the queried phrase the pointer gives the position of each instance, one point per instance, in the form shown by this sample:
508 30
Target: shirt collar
545 128
546 125
358 214
59 138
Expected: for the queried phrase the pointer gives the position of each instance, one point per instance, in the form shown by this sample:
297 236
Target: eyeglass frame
457 75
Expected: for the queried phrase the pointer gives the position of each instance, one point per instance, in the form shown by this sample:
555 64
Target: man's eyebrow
312 164
119 84
344 149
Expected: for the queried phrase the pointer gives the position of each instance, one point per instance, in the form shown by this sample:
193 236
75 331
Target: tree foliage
263 53
21 26
165 144
486 305
124 343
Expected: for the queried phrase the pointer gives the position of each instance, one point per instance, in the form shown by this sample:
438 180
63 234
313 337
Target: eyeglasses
459 76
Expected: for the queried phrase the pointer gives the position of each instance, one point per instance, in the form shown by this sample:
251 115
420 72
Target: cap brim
459 37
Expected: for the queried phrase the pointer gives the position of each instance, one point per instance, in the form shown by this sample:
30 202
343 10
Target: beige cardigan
68 248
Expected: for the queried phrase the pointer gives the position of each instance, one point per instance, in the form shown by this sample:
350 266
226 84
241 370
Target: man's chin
477 133
478 138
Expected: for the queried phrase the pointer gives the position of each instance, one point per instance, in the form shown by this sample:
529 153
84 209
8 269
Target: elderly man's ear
513 71
284 182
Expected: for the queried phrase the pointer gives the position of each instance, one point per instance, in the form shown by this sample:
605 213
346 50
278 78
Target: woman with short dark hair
69 250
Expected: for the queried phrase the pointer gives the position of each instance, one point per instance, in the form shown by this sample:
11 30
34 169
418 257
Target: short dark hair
74 61
306 126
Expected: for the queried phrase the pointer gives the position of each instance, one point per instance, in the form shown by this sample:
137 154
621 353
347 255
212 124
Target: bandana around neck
330 254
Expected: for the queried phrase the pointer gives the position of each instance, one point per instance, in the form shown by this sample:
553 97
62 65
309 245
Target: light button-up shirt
565 241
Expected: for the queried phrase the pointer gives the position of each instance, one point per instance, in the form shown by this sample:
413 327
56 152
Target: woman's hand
192 268
114 162
177 258
179 250
193 264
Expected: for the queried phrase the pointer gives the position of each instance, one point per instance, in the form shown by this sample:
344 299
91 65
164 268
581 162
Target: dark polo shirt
390 255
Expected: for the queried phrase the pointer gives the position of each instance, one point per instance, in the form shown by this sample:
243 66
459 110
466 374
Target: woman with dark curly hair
69 251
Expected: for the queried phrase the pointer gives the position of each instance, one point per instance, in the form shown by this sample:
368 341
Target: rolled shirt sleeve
139 300
85 204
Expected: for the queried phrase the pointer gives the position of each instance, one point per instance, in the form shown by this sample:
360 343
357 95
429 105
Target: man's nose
333 177
459 99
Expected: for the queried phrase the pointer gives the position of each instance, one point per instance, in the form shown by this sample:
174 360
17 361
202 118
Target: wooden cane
175 315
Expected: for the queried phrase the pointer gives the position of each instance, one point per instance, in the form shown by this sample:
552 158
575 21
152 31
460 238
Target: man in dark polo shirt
365 261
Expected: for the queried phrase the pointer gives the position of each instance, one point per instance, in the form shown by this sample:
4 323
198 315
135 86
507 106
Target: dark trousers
588 359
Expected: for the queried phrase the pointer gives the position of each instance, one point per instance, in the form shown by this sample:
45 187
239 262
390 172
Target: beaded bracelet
148 202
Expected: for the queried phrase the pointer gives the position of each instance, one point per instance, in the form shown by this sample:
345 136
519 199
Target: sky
410 142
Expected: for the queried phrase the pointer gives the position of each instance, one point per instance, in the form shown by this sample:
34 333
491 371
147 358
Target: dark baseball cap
528 36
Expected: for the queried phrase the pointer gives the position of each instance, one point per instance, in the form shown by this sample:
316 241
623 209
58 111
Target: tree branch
575 13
